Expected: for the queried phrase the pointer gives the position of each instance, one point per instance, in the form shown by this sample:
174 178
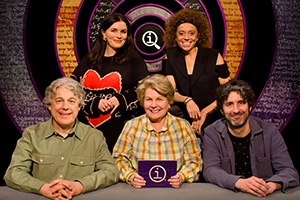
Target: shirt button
81 162
62 158
41 160
60 176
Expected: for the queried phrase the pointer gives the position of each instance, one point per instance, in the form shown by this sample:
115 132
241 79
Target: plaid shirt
176 141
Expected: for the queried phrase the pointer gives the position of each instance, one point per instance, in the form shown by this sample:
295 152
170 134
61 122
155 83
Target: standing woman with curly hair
194 69
109 75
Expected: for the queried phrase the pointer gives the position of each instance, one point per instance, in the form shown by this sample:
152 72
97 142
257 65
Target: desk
205 191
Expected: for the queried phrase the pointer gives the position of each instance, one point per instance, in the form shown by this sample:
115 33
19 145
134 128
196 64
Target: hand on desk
256 186
61 189
176 181
137 181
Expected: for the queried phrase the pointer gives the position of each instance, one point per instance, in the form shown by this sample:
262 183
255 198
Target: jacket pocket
263 167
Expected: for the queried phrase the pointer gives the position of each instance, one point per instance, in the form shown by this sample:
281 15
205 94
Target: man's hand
46 191
71 188
61 189
253 185
273 186
176 181
51 190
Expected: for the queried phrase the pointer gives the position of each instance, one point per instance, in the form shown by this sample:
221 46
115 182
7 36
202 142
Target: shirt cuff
128 176
36 185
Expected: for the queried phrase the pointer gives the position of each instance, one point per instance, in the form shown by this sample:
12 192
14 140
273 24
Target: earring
104 39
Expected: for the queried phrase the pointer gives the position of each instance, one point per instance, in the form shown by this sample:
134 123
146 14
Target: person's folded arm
18 174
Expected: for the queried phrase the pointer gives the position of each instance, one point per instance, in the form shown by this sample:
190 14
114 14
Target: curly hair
239 86
188 16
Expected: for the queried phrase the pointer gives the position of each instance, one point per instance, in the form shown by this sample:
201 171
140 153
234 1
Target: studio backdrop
45 40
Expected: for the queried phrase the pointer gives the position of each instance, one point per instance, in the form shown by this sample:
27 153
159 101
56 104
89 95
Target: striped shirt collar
148 126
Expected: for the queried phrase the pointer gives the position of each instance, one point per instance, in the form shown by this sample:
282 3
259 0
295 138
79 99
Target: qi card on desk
157 172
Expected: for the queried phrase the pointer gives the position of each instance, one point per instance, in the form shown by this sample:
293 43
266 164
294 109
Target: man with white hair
62 157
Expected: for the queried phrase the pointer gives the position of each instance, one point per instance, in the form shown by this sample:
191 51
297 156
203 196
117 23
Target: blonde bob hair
157 82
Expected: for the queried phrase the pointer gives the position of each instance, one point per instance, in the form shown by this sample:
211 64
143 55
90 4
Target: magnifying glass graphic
147 39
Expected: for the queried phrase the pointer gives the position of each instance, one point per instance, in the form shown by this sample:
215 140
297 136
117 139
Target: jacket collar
255 128
199 65
180 62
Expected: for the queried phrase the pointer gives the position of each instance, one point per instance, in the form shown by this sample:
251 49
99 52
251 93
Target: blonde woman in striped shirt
157 135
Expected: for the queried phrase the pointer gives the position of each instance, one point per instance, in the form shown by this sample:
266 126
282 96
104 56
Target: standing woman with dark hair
109 74
194 69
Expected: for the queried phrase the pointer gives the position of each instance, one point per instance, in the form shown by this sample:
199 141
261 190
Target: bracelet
187 100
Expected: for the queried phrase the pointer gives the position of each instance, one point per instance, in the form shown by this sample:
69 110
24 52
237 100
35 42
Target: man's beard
237 126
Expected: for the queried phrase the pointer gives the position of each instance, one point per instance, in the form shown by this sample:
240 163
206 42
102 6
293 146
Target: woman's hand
108 104
136 180
176 181
193 110
197 124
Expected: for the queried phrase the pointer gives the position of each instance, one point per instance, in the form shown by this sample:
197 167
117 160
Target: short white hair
68 83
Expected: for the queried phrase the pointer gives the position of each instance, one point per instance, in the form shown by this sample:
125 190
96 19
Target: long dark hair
96 55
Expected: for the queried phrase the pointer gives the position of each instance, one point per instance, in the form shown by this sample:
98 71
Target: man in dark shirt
242 152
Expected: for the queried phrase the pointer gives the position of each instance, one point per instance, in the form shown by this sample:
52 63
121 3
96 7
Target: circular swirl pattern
264 53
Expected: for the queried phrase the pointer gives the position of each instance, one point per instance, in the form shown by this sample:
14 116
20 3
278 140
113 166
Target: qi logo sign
157 173
150 39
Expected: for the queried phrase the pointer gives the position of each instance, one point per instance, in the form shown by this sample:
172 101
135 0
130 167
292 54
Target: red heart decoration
92 80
